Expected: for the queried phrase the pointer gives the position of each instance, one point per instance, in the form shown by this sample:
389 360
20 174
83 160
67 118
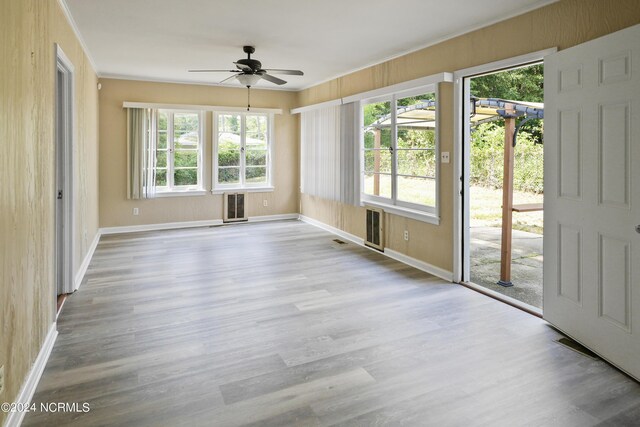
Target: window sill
181 193
405 212
242 190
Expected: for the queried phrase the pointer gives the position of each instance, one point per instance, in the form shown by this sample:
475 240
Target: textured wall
562 25
116 210
28 31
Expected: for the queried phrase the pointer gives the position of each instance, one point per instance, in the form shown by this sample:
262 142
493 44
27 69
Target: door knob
637 228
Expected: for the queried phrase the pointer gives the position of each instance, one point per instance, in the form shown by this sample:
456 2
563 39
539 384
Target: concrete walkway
526 267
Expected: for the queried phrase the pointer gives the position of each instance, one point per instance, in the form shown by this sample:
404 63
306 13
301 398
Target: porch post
507 199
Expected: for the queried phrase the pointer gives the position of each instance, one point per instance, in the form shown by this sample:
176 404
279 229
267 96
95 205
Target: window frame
218 188
418 211
171 189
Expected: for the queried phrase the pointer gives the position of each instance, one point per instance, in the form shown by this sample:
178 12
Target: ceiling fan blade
272 79
244 67
228 78
213 71
289 72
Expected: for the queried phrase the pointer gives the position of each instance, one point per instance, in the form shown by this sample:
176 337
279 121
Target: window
399 151
178 164
242 150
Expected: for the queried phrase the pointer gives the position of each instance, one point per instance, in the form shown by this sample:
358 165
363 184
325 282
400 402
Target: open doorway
506 182
63 176
501 186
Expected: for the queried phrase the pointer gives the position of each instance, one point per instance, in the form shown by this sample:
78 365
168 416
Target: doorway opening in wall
503 168
63 177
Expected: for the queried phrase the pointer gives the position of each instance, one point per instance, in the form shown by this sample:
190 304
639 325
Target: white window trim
184 190
405 212
217 188
429 214
387 90
180 193
244 190
214 108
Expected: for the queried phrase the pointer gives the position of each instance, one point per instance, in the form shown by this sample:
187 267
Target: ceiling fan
250 71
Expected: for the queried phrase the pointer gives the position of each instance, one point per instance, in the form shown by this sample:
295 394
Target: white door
64 174
592 195
61 145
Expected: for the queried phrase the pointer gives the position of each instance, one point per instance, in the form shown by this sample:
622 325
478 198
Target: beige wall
116 210
29 29
562 25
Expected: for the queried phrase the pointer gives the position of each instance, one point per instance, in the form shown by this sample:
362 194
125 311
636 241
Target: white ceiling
161 39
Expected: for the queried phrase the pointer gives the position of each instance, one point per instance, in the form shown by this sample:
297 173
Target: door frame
461 160
64 162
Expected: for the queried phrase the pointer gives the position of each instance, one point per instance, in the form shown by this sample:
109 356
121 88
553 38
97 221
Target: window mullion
200 156
171 151
268 135
243 140
394 152
215 135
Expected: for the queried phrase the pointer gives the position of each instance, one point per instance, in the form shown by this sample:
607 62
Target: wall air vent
375 228
235 207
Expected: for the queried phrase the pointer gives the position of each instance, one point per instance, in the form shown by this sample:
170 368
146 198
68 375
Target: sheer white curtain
350 154
330 152
320 152
141 153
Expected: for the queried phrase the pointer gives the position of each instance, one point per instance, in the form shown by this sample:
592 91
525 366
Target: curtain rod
128 104
387 90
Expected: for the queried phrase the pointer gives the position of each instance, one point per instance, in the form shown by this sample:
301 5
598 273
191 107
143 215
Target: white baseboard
278 217
188 224
420 265
86 261
31 383
161 226
347 236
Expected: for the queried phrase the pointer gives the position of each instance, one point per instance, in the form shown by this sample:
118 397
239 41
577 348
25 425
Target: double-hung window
400 151
179 136
242 153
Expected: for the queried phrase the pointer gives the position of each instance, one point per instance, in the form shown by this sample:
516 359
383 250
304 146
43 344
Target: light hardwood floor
275 324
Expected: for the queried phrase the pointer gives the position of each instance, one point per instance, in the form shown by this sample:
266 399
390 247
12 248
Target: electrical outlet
444 157
265 203
1 378
406 235
136 211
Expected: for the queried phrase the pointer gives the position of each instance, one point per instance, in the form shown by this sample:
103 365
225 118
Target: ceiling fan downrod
248 50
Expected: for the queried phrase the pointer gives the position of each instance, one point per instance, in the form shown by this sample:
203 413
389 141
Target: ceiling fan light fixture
248 79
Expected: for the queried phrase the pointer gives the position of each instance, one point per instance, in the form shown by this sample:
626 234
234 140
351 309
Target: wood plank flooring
274 324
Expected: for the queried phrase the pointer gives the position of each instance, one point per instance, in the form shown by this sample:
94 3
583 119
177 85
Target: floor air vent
375 228
235 207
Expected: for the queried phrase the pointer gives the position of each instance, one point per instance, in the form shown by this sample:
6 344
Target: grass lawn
414 190
486 209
